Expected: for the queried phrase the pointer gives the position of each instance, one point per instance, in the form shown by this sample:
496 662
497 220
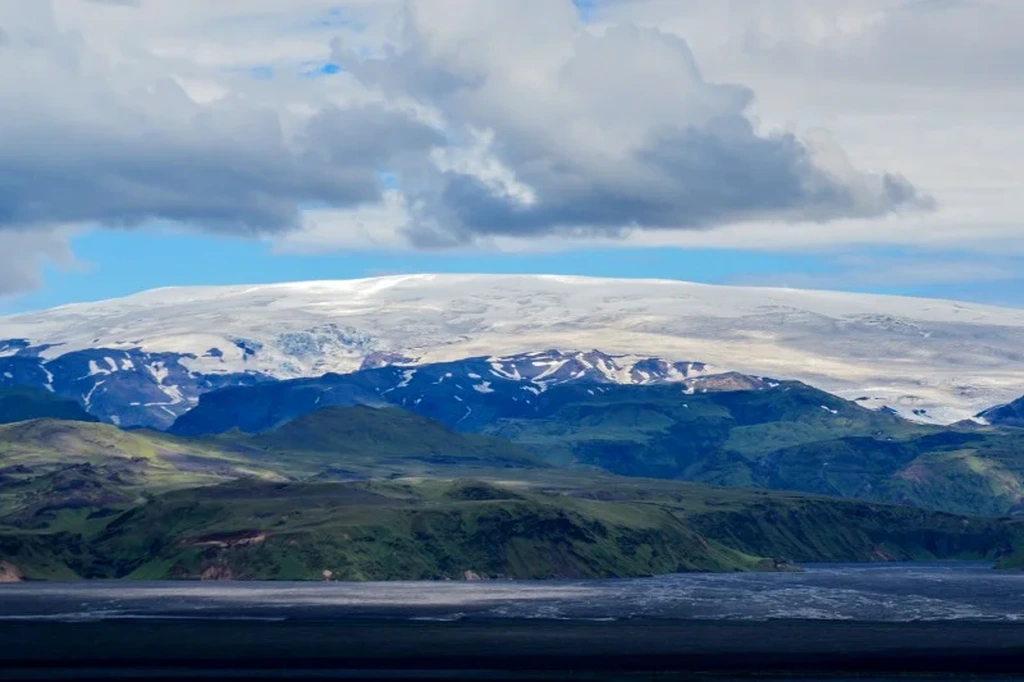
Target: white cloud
512 125
114 139
602 130
24 253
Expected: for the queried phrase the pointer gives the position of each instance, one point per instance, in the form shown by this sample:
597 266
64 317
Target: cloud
595 133
93 139
23 255
517 124
933 44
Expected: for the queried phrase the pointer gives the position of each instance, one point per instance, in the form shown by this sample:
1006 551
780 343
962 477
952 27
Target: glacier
930 360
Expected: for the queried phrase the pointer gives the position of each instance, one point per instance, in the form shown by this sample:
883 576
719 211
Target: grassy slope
375 442
66 488
48 466
46 460
441 529
792 437
430 530
810 528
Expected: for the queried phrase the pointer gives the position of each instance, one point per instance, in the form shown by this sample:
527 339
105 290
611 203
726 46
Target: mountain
785 436
50 466
145 359
731 430
19 404
466 394
368 493
1011 414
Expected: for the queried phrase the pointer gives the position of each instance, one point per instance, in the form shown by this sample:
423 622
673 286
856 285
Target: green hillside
52 468
431 529
367 494
376 442
790 437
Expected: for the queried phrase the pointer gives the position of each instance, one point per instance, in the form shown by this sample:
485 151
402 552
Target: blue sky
869 146
120 263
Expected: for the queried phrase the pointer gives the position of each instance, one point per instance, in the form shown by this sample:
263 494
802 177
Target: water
884 592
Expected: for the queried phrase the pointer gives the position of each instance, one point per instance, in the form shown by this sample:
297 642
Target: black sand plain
370 648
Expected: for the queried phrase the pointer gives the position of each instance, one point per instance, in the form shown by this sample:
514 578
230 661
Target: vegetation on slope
358 493
430 529
51 466
741 432
791 437
47 466
377 441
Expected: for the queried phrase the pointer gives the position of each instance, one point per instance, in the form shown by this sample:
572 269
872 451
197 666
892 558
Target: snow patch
95 369
499 371
87 400
159 371
174 393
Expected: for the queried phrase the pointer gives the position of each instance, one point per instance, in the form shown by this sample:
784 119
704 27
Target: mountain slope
467 394
785 437
50 466
731 430
382 532
1011 414
23 404
375 439
146 358
467 529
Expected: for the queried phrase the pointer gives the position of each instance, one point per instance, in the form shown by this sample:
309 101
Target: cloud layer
92 139
564 128
451 122
512 124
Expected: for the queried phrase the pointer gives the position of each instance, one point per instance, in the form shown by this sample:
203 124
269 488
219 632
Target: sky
862 145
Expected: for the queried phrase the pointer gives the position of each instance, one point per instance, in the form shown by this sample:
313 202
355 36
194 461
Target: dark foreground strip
505 650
